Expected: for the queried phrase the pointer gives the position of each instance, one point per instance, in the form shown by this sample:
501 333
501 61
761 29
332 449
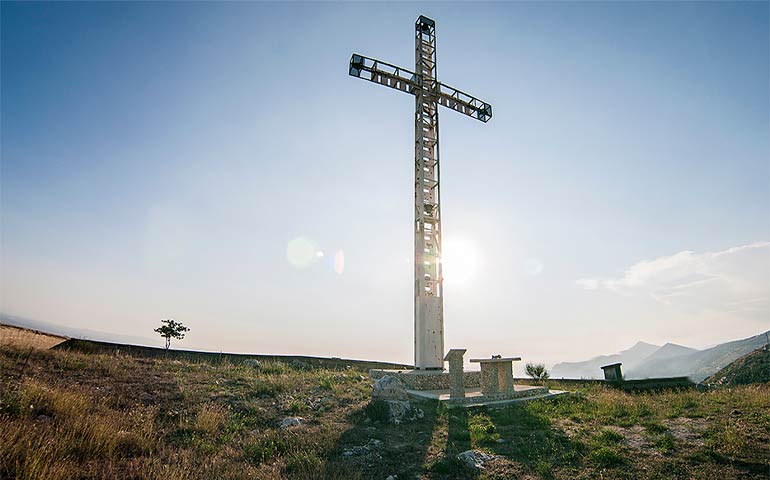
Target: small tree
538 372
169 329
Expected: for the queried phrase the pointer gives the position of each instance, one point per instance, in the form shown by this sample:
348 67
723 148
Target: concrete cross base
474 397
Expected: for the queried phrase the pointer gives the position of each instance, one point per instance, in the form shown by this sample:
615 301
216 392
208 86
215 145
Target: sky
215 163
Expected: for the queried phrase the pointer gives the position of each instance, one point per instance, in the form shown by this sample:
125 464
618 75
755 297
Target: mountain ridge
668 360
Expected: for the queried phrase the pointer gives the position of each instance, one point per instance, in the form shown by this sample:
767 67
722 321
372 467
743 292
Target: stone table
496 374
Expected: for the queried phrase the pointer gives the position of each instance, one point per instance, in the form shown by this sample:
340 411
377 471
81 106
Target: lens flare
301 252
339 262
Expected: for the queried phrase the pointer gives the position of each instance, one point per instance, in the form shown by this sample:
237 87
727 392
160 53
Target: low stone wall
628 385
427 380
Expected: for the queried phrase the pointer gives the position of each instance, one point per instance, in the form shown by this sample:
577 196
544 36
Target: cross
429 93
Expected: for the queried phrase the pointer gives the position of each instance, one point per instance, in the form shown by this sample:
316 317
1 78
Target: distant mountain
698 364
72 332
592 368
644 360
666 353
754 367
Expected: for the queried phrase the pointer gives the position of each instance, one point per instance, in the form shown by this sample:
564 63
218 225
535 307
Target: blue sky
159 158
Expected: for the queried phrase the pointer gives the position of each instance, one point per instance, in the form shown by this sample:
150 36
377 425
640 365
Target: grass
74 415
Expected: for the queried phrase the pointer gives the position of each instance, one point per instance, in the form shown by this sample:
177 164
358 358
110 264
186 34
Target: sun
459 262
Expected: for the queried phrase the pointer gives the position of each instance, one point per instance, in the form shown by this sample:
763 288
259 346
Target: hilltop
750 368
105 413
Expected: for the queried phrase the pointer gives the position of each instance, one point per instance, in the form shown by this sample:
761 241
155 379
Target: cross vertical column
428 305
429 93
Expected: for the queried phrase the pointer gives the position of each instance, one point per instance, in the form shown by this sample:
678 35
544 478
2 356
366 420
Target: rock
355 451
391 391
389 388
252 362
392 477
359 450
474 459
291 422
400 411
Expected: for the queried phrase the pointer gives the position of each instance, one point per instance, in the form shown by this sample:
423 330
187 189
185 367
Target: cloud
735 281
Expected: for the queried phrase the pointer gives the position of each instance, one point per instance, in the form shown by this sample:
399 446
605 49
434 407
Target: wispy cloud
736 280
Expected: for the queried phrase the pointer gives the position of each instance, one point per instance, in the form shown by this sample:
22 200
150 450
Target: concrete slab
474 397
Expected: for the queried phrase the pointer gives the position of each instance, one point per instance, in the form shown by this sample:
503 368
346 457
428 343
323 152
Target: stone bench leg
505 377
456 383
489 379
456 379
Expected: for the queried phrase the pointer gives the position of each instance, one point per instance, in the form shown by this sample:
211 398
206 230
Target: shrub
537 371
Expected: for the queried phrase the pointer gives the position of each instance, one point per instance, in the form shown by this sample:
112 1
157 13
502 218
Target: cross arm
383 73
462 102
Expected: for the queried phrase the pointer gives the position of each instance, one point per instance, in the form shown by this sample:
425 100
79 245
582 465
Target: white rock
400 411
474 459
389 388
291 422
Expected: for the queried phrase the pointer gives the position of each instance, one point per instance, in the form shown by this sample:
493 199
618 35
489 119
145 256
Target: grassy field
65 414
26 338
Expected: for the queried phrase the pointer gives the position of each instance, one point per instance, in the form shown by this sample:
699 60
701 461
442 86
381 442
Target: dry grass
211 417
73 415
49 432
25 338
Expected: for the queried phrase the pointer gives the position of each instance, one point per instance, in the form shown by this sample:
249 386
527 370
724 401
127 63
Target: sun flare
459 261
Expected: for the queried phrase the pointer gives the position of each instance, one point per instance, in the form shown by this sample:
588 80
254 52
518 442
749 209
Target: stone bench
496 375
